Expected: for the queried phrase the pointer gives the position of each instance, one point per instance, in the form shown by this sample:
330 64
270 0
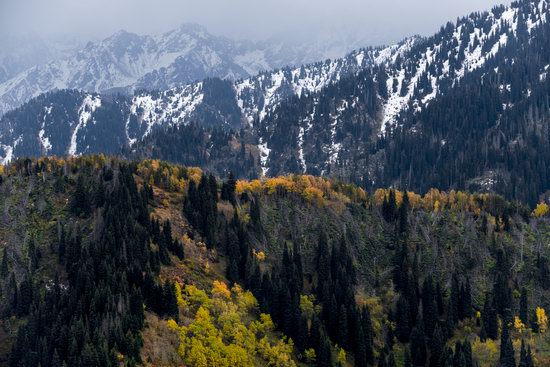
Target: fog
375 21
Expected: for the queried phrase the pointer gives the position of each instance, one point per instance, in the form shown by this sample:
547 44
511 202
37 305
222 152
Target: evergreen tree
403 213
506 358
489 318
418 346
429 308
343 327
4 268
524 307
402 320
24 297
324 358
437 345
523 359
360 347
81 202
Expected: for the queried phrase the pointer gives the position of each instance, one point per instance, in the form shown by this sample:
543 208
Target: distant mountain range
465 108
125 62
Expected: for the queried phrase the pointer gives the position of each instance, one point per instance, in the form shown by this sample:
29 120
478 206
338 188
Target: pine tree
81 202
324 358
523 355
429 308
323 258
418 346
343 327
524 307
533 322
467 352
506 358
467 300
170 302
255 214
483 333
402 320
437 344
302 334
489 316
453 310
24 297
403 214
4 271
360 348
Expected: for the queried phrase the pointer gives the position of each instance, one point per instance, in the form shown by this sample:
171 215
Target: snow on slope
173 107
89 105
125 62
469 51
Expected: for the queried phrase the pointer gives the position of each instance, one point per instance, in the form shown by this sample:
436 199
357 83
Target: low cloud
377 21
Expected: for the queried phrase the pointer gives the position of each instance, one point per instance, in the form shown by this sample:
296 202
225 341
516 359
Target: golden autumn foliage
221 333
542 320
165 175
259 256
541 210
315 190
519 325
342 357
487 351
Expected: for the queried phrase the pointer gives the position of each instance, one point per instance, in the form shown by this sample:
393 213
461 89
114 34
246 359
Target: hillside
108 262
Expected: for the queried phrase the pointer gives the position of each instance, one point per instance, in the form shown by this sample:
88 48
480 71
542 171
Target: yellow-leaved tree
542 320
541 210
222 333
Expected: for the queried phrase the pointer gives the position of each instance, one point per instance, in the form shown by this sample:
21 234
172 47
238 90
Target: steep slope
107 262
212 102
125 62
398 115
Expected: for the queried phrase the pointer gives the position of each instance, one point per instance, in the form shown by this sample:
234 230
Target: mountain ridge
359 118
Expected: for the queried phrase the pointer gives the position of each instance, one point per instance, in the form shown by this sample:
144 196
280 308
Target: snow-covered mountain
125 62
353 117
212 101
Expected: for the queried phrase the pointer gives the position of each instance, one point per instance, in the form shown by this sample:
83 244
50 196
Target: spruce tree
360 348
524 307
489 318
437 344
418 346
343 327
429 308
324 358
402 320
523 355
4 271
81 202
403 214
506 358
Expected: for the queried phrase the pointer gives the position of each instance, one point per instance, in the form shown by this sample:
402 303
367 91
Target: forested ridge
108 262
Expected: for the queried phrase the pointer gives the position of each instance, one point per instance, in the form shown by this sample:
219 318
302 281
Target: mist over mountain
125 62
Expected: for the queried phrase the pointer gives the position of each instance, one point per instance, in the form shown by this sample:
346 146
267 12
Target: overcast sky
380 21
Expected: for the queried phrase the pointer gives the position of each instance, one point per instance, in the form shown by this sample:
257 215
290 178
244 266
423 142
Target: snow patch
44 140
88 107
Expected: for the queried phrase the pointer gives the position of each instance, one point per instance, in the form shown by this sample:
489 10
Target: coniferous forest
109 262
388 208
